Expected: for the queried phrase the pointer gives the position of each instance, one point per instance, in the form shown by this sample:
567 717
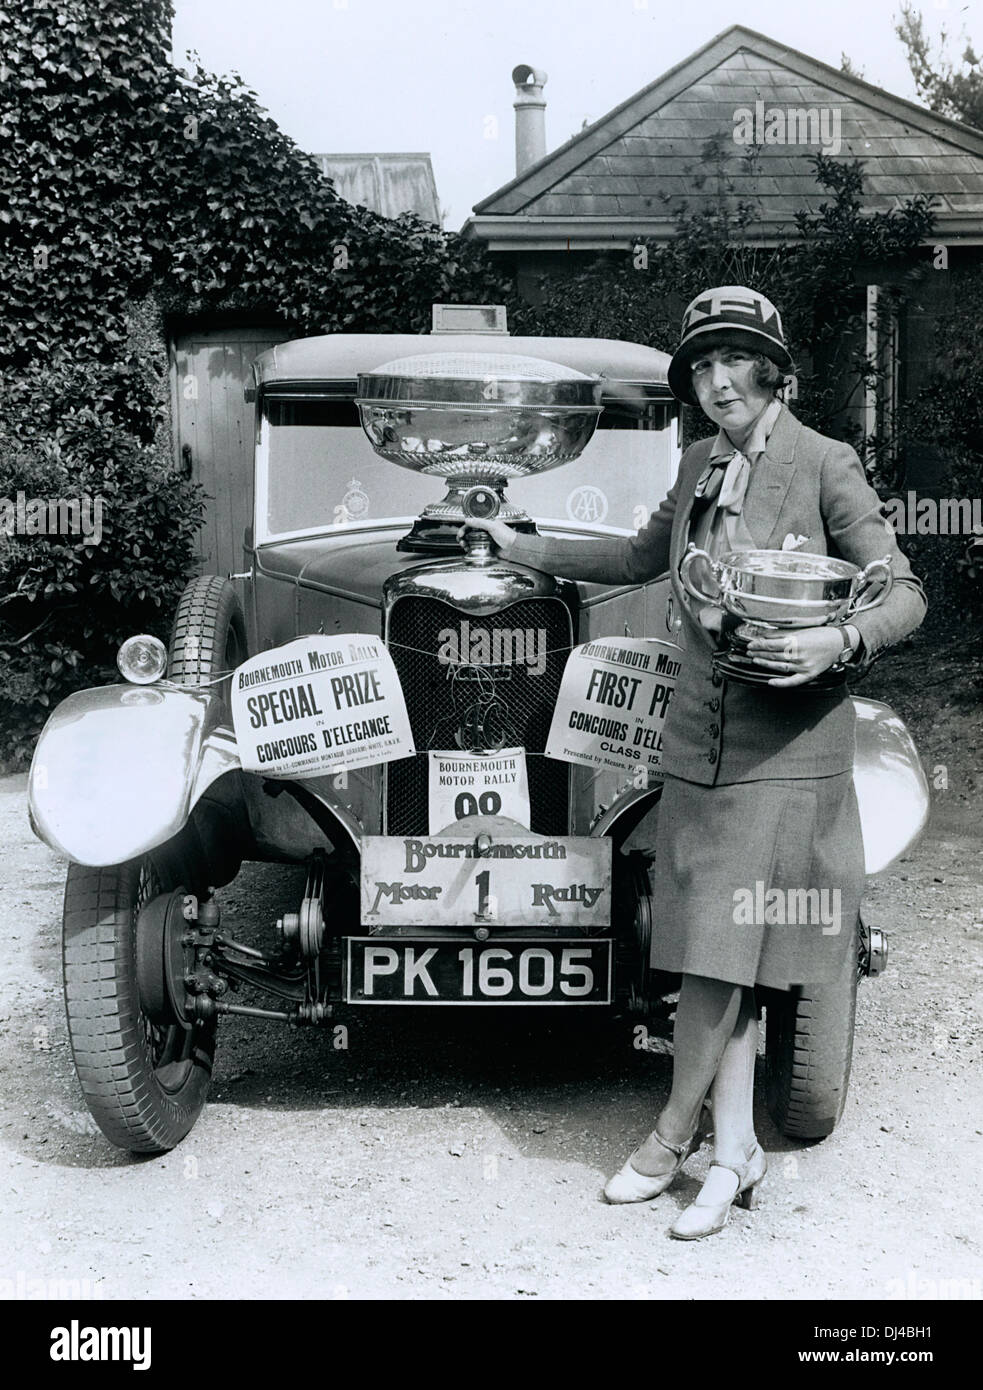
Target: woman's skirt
756 883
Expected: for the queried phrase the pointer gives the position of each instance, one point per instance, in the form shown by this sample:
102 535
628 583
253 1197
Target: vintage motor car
373 698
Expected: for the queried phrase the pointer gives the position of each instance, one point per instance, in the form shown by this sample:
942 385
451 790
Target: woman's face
724 385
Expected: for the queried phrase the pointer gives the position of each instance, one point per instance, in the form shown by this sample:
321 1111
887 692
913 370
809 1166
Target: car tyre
145 1083
632 916
208 636
808 1052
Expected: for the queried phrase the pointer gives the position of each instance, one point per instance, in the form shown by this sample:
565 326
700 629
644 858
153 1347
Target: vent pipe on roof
530 116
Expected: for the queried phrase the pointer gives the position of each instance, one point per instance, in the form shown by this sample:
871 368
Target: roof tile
722 111
740 77
913 144
665 128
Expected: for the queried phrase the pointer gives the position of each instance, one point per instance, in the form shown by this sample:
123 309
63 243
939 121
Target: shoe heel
749 1198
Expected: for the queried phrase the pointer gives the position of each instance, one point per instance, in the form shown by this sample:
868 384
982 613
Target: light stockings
714 1045
732 1092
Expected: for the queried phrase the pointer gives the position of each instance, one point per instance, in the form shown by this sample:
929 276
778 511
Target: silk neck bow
726 480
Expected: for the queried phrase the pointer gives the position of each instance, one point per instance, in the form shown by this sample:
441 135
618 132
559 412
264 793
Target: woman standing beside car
758 777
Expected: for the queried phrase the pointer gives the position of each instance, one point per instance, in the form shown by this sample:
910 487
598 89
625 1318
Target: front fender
118 768
892 792
890 783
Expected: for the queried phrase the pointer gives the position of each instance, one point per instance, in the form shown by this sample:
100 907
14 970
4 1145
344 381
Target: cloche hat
730 315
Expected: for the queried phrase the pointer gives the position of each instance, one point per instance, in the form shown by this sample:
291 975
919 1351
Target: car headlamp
142 659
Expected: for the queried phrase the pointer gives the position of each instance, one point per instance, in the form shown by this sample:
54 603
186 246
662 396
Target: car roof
341 356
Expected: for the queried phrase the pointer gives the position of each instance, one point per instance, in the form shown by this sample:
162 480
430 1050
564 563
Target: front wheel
808 1052
145 1081
208 638
632 918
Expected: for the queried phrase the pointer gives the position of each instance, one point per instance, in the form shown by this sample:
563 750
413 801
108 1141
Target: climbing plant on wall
131 188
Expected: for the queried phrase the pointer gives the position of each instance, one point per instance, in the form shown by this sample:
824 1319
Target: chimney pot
530 116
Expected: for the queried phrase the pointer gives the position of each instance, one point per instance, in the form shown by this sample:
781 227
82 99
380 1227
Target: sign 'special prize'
320 705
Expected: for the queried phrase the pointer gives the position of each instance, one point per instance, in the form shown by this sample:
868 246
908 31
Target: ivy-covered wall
129 191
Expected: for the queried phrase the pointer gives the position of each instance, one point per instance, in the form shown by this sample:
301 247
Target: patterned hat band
730 315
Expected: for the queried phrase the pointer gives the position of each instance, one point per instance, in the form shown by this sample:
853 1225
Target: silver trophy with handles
765 593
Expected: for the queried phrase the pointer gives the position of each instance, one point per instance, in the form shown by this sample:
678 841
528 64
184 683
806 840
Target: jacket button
712 755
713 730
716 679
712 705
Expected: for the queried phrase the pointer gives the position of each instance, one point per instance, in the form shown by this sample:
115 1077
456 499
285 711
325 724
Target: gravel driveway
440 1156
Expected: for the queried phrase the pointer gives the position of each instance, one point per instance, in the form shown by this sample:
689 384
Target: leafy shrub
67 600
948 411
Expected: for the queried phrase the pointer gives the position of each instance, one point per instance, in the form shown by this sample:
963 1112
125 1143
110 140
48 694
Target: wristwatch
851 643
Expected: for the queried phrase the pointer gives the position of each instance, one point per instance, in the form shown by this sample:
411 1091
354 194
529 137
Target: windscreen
317 470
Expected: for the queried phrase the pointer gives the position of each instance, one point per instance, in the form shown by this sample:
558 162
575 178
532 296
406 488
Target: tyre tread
809 1054
103 1019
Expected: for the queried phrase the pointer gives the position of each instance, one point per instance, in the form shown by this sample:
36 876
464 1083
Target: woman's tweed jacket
722 731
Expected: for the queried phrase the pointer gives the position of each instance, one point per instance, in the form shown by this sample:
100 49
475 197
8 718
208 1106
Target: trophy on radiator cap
765 593
476 420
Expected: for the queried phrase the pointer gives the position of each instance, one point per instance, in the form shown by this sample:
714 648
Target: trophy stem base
432 535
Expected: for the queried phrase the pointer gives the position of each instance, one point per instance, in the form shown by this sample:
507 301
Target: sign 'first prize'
320 705
613 703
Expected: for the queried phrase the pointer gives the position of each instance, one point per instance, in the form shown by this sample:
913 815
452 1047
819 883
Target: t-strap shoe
629 1185
706 1218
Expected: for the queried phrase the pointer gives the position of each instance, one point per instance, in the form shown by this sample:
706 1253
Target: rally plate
516 881
458 970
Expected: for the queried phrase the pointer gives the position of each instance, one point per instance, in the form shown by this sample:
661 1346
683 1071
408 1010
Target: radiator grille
527 703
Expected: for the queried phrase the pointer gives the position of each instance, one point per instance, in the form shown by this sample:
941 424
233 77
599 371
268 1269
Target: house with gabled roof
626 175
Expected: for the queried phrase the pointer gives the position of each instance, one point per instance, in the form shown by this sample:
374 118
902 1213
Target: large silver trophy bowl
475 419
764 593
